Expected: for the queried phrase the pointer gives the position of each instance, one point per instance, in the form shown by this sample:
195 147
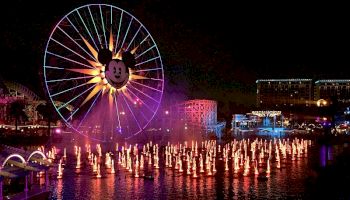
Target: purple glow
323 156
104 108
58 130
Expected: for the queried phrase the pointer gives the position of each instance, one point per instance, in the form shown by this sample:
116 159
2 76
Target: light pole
322 105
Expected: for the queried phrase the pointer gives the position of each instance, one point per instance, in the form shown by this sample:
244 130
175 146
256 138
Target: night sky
213 50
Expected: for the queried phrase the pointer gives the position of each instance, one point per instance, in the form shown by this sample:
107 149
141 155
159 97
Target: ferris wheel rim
45 62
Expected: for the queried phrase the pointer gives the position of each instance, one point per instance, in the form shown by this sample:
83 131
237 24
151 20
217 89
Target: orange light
92 50
118 55
96 89
136 77
94 64
95 80
111 41
92 72
134 49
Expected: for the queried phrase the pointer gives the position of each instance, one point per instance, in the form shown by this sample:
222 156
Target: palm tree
48 112
333 110
45 111
17 111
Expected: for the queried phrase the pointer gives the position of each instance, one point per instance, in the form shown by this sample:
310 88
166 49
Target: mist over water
295 180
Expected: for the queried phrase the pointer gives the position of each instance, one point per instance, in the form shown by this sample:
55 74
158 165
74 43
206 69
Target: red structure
201 116
199 112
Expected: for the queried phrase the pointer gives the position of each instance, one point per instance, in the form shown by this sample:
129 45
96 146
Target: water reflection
59 189
286 182
326 154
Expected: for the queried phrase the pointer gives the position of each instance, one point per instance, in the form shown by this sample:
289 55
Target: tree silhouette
48 113
17 111
333 109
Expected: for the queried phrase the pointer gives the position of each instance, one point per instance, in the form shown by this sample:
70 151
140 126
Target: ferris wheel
105 68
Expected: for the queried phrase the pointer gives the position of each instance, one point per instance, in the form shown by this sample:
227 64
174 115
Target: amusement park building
196 117
201 114
10 92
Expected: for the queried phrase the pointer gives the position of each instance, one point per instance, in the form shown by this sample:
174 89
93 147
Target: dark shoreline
19 140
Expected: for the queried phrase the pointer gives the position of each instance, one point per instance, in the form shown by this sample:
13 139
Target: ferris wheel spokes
74 98
76 43
88 111
84 55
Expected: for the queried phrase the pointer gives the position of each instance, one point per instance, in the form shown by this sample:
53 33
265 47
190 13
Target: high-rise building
277 93
328 89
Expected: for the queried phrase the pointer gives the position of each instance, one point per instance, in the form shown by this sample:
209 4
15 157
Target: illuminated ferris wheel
105 68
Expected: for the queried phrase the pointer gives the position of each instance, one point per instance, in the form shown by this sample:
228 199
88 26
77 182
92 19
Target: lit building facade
277 93
326 89
244 121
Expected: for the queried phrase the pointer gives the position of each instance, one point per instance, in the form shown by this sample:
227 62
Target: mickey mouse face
117 73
